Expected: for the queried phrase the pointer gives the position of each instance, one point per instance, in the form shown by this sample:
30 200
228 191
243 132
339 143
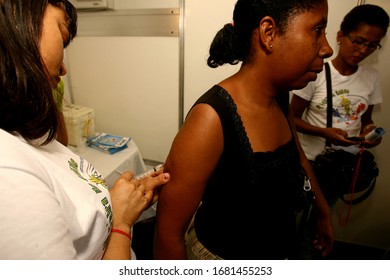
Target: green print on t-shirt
94 179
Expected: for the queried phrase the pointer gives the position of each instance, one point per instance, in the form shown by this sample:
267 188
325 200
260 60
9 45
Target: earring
271 46
338 43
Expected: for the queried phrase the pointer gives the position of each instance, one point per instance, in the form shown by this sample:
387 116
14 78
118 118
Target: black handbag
339 173
336 169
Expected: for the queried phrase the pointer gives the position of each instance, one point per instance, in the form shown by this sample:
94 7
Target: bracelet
121 232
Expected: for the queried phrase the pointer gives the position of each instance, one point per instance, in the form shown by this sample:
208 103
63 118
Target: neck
257 85
344 68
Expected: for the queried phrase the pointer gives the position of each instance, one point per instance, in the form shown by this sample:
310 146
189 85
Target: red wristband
121 232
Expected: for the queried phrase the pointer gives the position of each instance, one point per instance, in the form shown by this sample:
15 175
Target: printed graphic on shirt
348 108
87 172
107 208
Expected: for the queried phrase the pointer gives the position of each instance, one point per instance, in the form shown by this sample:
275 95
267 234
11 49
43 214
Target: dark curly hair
27 106
232 43
365 14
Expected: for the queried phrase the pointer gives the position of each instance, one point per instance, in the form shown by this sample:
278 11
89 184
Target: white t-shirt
54 204
351 97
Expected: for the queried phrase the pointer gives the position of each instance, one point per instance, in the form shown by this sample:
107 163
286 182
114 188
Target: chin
304 82
300 85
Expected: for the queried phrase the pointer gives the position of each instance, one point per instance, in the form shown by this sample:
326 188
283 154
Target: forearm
367 127
118 247
366 120
325 232
320 203
305 127
129 198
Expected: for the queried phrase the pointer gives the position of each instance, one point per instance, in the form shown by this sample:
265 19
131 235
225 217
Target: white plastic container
80 123
375 134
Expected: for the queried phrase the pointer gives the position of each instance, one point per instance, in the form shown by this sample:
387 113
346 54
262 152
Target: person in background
62 134
355 91
236 163
55 205
356 88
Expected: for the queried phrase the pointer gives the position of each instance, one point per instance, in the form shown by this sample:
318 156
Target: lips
314 75
318 68
315 71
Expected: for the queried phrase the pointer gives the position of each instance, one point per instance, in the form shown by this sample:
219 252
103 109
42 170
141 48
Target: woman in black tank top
237 169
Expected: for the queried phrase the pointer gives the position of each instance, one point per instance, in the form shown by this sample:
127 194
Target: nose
63 69
326 50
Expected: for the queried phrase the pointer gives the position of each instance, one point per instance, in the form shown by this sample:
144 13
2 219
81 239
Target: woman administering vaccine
55 204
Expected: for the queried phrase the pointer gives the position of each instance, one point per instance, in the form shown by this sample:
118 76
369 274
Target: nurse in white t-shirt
54 204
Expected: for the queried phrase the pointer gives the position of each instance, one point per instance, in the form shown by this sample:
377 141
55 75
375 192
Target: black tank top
247 210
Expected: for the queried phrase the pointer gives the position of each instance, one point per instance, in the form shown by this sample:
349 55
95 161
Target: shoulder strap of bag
344 217
329 99
349 199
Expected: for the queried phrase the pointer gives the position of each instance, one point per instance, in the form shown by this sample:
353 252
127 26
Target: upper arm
194 154
298 106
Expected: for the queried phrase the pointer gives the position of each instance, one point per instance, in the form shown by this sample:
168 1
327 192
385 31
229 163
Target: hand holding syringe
149 172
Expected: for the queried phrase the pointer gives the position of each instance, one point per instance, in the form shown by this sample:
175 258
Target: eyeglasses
360 43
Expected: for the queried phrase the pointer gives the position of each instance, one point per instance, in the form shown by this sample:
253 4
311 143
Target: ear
267 32
339 37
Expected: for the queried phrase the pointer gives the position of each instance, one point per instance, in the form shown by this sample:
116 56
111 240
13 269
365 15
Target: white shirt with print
351 97
54 204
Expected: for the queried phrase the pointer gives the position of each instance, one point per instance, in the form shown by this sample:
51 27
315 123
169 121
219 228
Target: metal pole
181 62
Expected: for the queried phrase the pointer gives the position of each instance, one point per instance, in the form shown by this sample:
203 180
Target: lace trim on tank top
275 157
238 124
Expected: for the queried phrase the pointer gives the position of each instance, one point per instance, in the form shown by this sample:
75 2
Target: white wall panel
203 19
132 84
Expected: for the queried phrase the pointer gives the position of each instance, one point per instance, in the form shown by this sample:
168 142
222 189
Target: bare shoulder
202 130
202 114
199 143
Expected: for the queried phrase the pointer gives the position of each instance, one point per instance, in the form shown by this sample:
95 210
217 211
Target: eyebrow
366 40
324 22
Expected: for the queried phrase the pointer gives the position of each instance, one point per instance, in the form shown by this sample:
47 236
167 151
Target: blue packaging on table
108 143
